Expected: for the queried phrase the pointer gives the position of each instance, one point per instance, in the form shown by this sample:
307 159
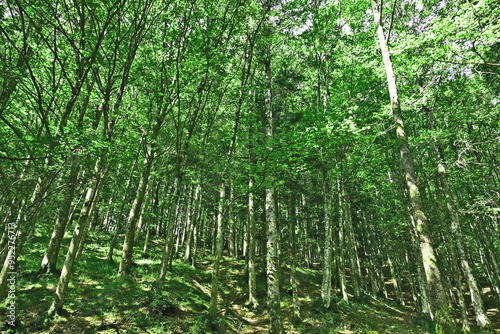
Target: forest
250 166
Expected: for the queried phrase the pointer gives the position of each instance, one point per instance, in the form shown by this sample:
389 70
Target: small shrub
162 305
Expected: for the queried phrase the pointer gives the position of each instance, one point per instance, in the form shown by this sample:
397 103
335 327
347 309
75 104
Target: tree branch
392 20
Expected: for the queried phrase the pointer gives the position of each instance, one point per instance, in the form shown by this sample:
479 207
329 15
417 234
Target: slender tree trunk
439 302
85 231
146 240
180 220
251 232
293 255
199 216
245 239
122 207
193 220
341 252
219 238
17 234
110 210
411 278
424 295
82 223
351 246
326 289
18 231
369 249
232 226
272 265
213 236
49 261
477 301
214 292
395 279
272 257
128 244
195 246
458 283
169 235
489 262
142 222
381 262
252 275
247 65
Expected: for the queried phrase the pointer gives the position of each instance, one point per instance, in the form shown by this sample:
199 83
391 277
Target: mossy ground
100 302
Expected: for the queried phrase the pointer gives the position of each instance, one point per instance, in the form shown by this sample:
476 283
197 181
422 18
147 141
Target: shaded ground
99 302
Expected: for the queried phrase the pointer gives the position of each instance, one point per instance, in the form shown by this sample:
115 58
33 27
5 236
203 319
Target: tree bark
351 246
341 252
293 255
326 289
214 291
119 221
193 220
232 226
82 223
477 301
128 243
49 261
169 235
252 275
438 299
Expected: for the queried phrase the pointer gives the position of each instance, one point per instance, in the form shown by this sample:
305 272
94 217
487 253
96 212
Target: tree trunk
146 240
82 223
169 235
395 279
252 276
326 289
247 65
122 207
341 252
351 246
214 292
49 261
439 302
193 220
87 226
18 231
411 278
477 301
293 255
135 210
251 232
273 284
232 226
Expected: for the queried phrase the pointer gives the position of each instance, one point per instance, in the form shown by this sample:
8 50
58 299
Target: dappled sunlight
114 304
147 261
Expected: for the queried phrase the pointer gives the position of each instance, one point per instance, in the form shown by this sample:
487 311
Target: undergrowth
100 302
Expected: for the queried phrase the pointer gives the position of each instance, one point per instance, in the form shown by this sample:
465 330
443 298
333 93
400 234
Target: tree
439 302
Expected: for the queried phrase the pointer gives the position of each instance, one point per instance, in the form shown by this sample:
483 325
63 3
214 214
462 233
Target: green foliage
168 83
162 305
424 321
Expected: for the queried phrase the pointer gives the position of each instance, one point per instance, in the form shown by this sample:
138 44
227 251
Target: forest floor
99 302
